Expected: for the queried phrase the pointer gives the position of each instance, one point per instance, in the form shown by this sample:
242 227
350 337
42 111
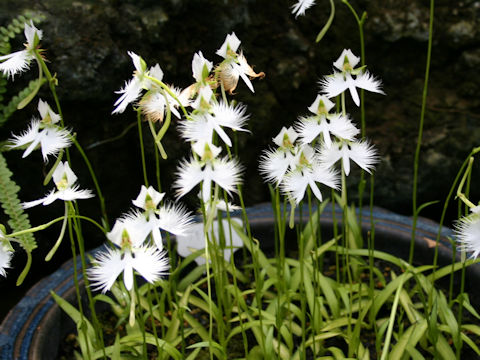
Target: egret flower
360 152
223 172
67 190
308 171
19 61
302 5
339 82
467 230
133 87
334 124
274 164
235 65
201 126
44 133
149 262
171 218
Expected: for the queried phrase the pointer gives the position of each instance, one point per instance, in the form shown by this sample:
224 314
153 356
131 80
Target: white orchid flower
171 218
67 190
334 124
19 61
44 133
308 172
201 126
133 87
223 172
235 65
339 82
149 262
360 152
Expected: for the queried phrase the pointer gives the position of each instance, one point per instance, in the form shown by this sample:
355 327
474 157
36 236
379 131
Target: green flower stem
460 193
60 237
77 285
25 270
391 321
81 248
360 21
234 277
52 82
166 123
420 130
94 179
206 236
142 146
301 288
163 154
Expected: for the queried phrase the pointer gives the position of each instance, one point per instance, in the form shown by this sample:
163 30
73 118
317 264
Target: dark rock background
86 43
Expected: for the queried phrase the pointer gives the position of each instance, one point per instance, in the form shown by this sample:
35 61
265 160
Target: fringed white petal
130 92
189 175
174 219
333 85
5 258
364 155
467 230
342 127
301 6
274 164
15 63
107 266
368 82
150 263
227 174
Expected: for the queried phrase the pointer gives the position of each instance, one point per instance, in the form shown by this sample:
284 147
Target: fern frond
11 205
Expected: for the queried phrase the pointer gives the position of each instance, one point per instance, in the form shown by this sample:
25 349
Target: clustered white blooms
44 133
19 61
467 230
305 154
211 118
138 243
